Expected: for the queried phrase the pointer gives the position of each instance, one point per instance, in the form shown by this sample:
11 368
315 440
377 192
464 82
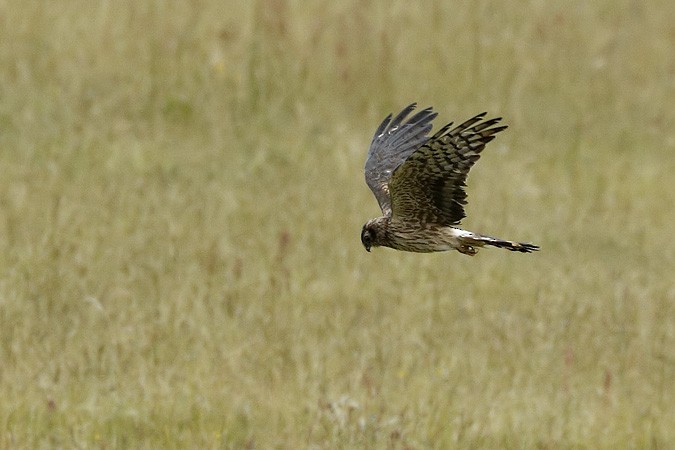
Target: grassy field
181 196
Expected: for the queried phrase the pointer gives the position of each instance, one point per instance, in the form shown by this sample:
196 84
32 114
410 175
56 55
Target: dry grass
181 198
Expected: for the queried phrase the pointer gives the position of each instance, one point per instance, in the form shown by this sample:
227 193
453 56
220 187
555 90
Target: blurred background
181 197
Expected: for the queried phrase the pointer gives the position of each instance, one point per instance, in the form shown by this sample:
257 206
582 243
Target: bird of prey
419 183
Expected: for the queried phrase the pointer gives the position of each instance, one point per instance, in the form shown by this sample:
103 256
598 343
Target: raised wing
429 186
393 143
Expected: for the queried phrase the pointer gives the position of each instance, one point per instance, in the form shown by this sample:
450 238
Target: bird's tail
523 247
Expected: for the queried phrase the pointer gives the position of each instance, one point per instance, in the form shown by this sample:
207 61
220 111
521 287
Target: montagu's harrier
419 183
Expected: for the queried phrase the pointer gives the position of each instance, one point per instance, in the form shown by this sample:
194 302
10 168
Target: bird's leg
467 250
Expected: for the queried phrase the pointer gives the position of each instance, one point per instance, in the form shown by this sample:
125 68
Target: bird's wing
429 186
393 143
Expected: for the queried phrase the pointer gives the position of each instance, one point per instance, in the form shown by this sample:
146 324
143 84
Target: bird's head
370 233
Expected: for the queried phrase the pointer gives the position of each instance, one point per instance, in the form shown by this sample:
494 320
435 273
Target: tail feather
523 247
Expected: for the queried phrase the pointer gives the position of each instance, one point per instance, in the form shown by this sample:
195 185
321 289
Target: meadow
181 197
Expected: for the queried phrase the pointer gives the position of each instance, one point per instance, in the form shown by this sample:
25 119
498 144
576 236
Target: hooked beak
368 248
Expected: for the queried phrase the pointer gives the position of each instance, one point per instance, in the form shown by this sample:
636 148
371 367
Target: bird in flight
419 183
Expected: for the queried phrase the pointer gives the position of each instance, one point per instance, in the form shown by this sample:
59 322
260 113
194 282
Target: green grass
181 196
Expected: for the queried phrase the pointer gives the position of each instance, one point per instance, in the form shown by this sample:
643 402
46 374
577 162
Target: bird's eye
365 237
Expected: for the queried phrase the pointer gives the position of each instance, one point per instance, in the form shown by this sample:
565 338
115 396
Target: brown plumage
419 183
